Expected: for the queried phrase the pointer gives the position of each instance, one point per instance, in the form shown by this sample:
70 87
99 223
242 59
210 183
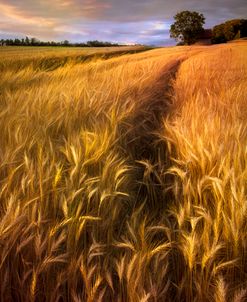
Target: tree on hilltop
187 27
27 41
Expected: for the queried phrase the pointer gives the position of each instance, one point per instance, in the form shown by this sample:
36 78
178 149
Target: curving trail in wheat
123 178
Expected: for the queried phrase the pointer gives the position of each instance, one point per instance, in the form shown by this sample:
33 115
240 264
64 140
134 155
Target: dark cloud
114 20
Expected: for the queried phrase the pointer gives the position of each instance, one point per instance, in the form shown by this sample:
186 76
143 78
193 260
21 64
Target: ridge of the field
123 178
51 58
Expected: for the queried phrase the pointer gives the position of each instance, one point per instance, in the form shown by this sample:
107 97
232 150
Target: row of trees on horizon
36 42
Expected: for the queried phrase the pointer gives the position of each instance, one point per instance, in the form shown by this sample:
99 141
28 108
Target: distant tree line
35 42
230 30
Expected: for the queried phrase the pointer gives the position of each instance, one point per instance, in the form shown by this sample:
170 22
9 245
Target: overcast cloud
125 21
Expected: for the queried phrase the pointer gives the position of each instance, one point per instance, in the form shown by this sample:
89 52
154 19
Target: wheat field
123 174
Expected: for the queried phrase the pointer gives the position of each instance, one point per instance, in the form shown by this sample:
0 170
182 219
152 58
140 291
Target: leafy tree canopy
230 30
187 27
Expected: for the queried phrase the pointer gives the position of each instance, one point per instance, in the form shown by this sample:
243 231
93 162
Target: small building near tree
205 37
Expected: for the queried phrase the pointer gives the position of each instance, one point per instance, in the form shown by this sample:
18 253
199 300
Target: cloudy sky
125 21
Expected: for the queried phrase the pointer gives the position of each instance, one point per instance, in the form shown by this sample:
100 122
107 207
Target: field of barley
123 174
